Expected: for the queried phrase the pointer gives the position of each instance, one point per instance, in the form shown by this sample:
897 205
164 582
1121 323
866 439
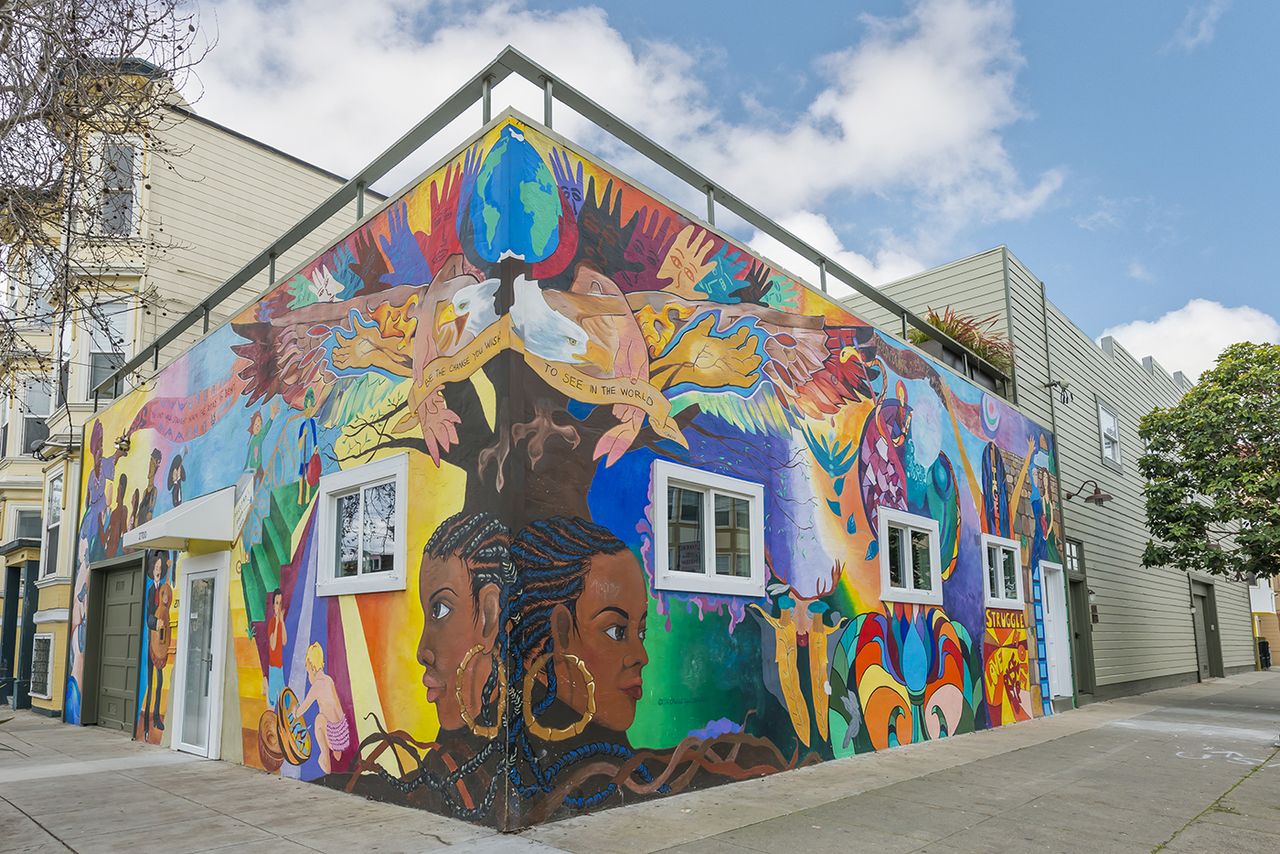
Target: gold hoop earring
478 729
547 733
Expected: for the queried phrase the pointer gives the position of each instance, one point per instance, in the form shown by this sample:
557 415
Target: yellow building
1266 624
187 208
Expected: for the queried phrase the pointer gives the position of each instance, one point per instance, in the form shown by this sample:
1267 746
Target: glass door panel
194 733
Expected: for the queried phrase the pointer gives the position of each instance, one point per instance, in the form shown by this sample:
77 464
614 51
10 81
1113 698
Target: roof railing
479 89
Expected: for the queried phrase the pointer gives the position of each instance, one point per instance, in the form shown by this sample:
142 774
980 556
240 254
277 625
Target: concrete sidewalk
1182 770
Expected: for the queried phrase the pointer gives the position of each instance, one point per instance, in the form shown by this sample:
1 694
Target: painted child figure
277 637
333 735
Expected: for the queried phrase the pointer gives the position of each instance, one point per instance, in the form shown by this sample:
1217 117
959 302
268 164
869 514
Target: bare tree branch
86 88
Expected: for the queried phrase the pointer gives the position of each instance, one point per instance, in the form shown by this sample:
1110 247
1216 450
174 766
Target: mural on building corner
529 333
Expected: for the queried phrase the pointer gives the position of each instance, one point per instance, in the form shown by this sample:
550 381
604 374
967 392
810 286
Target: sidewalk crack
1216 804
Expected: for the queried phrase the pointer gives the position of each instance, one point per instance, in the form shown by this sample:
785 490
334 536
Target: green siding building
1132 628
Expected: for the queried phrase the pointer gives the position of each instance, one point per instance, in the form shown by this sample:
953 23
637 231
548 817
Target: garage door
120 647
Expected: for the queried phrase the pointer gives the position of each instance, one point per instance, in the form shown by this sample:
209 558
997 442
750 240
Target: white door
201 640
1057 635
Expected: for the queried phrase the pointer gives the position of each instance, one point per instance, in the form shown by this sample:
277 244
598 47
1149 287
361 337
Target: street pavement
1191 769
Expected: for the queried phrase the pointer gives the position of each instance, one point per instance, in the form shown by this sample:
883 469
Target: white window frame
1118 460
135 223
90 348
24 413
11 518
337 484
992 599
910 521
48 528
6 422
667 474
48 684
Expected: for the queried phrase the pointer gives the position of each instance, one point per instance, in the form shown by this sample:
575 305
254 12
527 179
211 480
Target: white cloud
914 110
1190 338
1106 216
1138 270
1199 26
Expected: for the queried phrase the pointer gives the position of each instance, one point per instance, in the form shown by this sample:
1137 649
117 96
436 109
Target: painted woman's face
453 622
607 633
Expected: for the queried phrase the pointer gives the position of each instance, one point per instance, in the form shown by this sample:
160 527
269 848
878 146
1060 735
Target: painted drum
295 738
269 751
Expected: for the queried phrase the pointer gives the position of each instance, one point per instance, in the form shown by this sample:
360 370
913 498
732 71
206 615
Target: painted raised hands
409 265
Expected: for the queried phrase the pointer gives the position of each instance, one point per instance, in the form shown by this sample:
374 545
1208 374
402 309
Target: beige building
1266 624
1132 628
183 215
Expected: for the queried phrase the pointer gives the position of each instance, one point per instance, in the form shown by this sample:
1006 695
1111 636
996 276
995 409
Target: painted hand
701 356
343 260
366 347
569 182
438 422
618 440
408 265
686 262
369 265
443 240
722 282
649 245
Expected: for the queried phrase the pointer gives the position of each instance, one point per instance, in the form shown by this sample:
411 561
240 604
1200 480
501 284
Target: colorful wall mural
527 334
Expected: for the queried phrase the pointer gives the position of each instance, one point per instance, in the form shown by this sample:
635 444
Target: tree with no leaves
84 86
1212 465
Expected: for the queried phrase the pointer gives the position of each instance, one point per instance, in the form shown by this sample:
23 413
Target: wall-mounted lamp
122 445
1097 497
1064 391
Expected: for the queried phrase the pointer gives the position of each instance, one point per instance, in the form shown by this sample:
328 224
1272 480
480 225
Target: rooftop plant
978 334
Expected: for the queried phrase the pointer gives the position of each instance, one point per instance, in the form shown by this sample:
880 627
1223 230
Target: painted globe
528 222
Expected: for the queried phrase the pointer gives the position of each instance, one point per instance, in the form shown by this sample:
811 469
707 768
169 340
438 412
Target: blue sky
1122 150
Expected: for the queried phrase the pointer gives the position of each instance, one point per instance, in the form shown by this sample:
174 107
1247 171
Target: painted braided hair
552 557
483 543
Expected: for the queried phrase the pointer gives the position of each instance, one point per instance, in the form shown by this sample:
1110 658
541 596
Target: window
708 532
118 205
109 338
25 287
1075 556
1002 581
41 666
5 405
35 407
27 524
362 517
910 566
52 526
1109 428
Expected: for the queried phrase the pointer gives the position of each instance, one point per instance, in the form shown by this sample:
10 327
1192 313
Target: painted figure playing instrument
333 733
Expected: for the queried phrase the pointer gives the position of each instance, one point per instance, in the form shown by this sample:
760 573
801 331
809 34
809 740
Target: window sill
692 582
1005 605
376 583
911 597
